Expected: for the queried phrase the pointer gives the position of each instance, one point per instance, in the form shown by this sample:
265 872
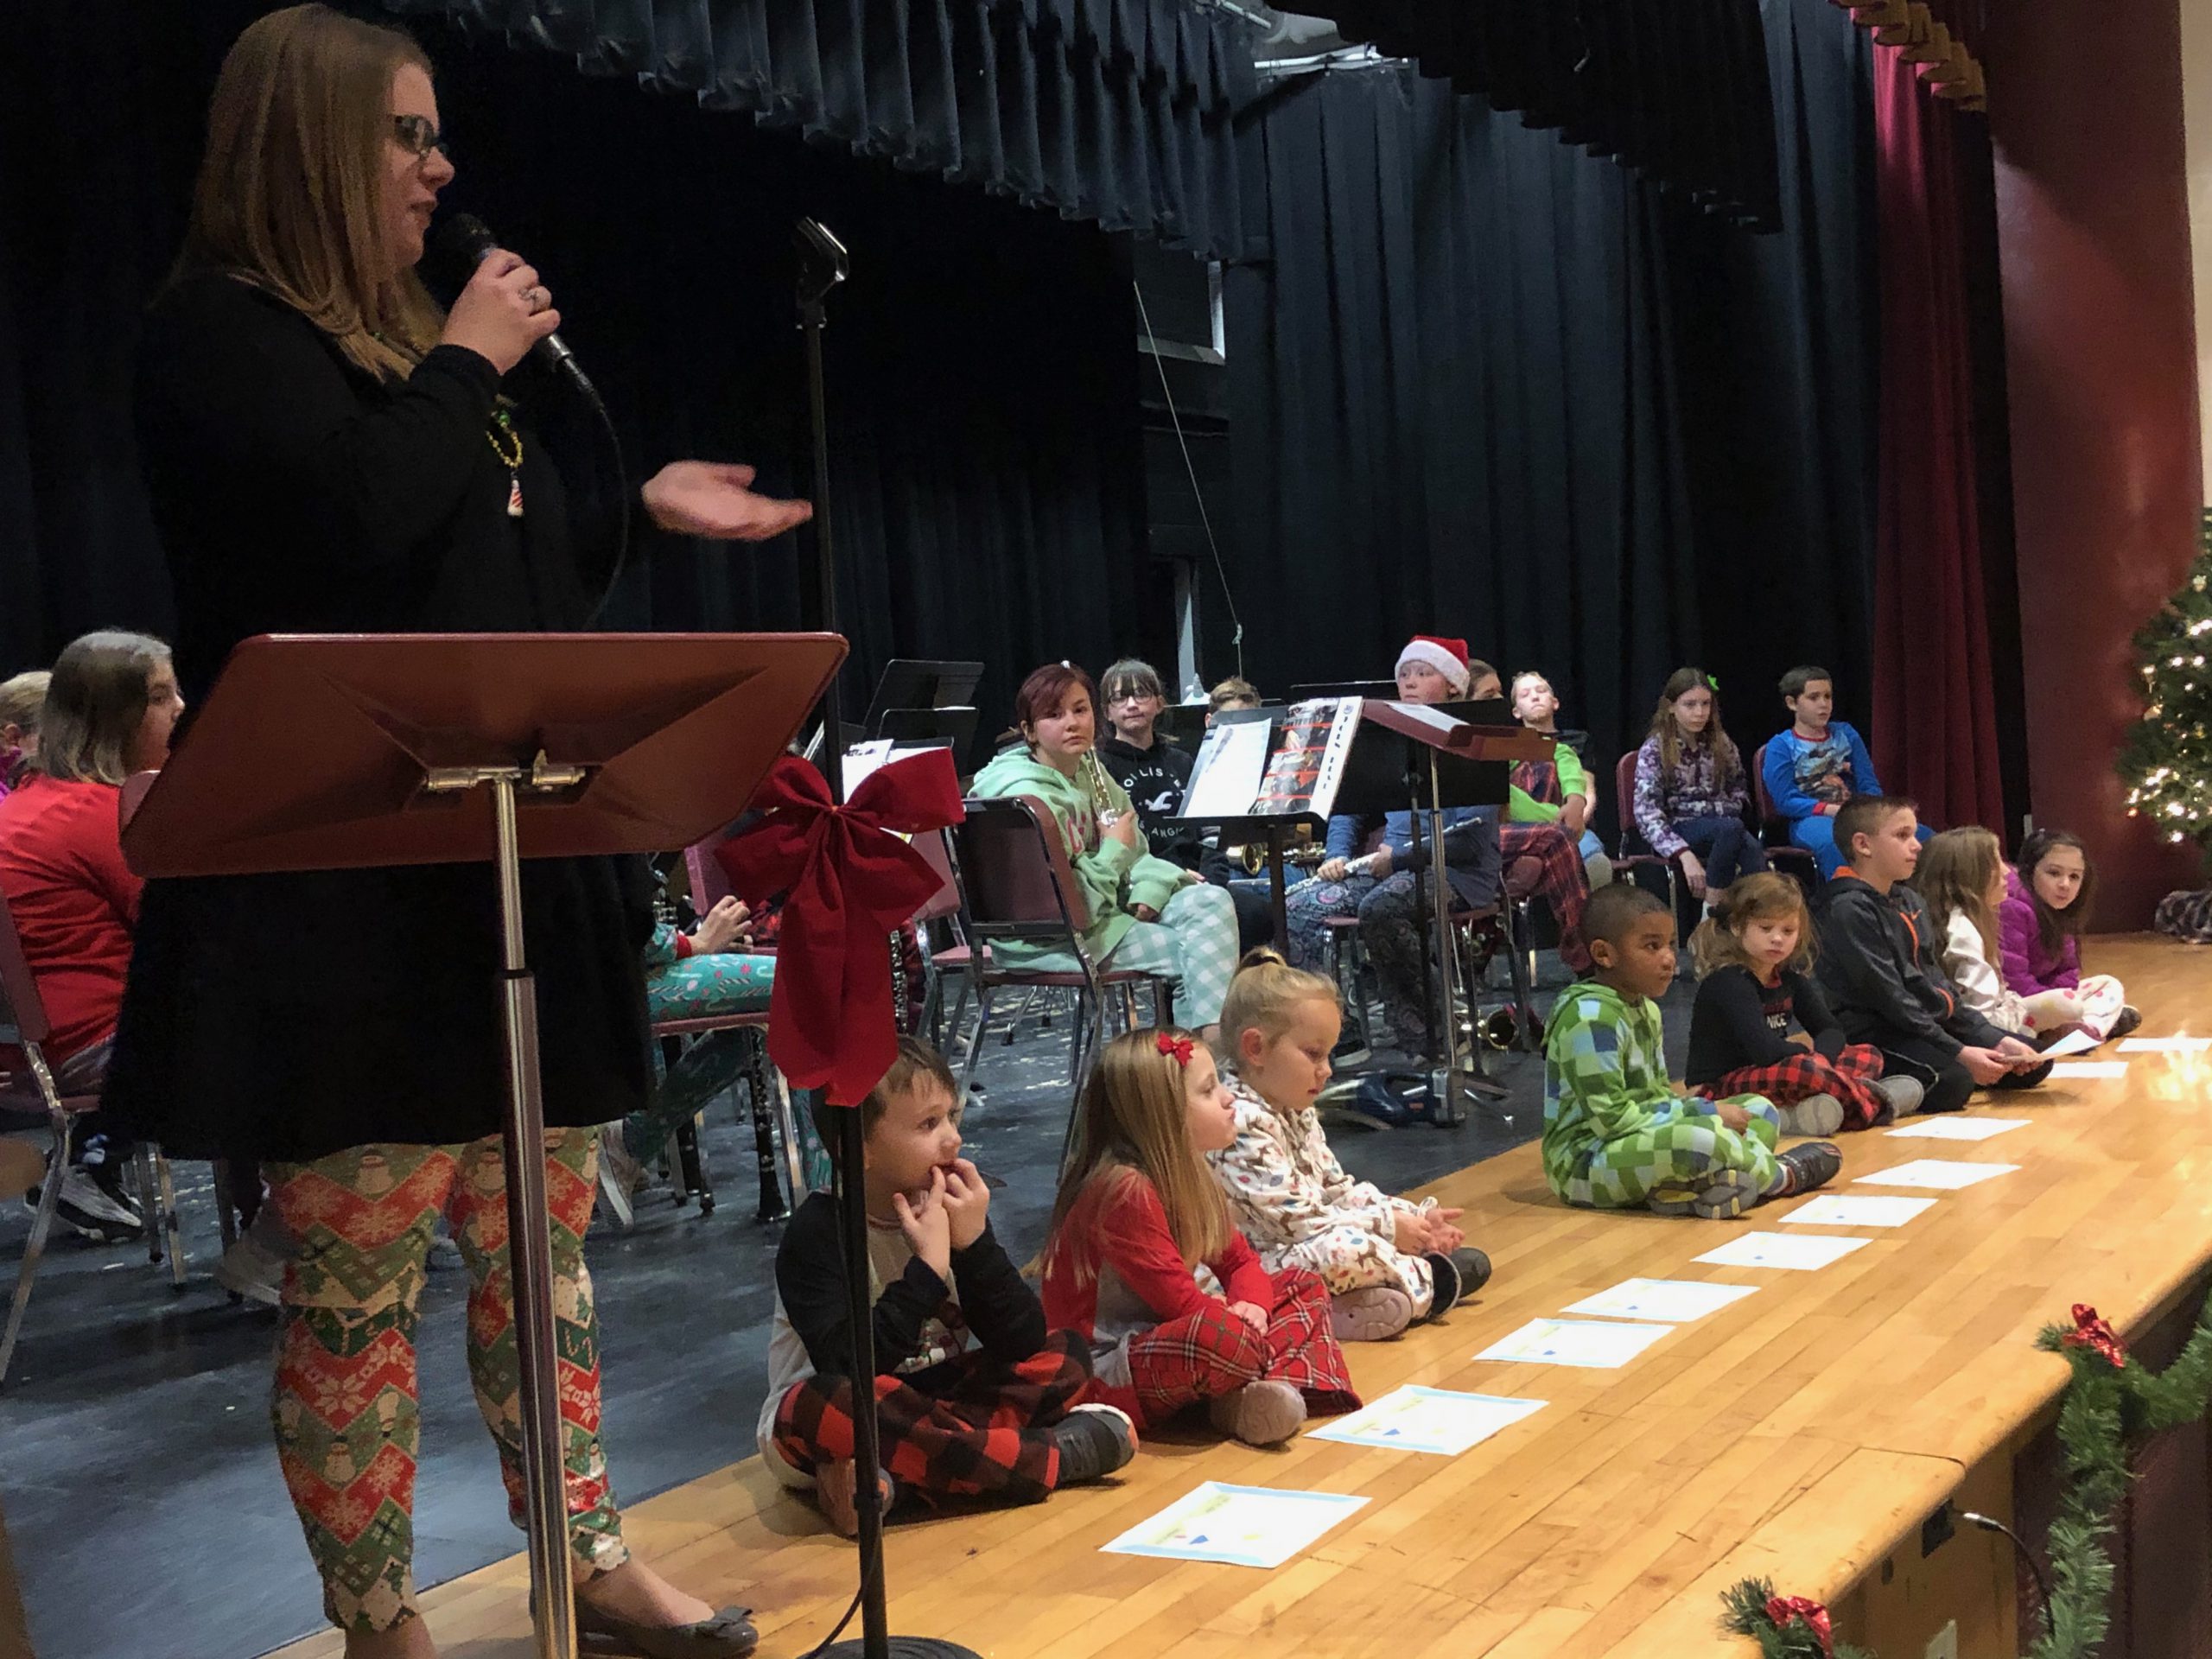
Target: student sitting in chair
1557 791
1817 765
1386 886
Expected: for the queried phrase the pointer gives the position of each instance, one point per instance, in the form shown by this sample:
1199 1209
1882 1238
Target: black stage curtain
1487 387
1118 111
987 456
1674 89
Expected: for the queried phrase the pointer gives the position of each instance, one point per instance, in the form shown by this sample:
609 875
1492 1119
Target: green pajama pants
1685 1148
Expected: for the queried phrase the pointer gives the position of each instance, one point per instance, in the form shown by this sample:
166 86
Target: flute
1352 867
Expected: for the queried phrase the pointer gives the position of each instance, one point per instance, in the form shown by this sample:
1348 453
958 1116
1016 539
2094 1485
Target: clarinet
1352 867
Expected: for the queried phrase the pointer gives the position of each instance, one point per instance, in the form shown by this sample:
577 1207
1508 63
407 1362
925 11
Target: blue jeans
1727 847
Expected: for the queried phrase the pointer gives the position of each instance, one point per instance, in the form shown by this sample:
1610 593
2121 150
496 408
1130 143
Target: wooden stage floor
1802 1433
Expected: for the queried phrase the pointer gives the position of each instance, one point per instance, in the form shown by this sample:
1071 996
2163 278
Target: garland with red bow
1785 1627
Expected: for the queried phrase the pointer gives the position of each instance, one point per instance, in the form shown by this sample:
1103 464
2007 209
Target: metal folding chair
1016 886
24 1024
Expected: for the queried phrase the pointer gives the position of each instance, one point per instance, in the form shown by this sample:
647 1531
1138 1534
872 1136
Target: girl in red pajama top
1143 1261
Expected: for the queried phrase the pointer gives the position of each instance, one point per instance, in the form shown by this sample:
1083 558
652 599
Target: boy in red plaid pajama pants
973 1399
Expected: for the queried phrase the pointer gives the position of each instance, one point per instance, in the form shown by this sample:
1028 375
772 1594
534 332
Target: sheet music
1225 777
1308 759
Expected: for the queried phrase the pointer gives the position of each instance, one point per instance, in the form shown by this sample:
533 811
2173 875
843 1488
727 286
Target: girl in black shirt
1761 1025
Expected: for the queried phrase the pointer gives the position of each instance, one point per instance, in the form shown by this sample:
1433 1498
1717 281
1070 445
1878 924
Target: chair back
935 846
1624 792
1015 872
22 1011
1768 814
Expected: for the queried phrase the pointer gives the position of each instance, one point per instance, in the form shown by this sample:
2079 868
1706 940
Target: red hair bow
850 881
1785 1611
1181 1047
2091 1333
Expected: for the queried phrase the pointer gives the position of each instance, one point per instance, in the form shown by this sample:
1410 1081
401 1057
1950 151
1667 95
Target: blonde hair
1265 989
95 704
1957 869
22 697
1134 1122
1718 941
290 192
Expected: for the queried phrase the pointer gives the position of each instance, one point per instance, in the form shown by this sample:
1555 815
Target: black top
1738 1022
1878 964
289 1016
1156 779
994 1301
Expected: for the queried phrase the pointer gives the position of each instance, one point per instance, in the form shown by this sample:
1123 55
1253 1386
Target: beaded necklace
502 427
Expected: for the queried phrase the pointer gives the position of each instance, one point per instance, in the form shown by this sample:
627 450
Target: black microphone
462 243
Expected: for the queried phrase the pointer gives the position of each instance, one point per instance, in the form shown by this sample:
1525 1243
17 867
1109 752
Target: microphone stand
822 266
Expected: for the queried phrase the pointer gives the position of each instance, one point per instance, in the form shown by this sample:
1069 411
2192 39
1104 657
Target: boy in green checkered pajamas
1617 1136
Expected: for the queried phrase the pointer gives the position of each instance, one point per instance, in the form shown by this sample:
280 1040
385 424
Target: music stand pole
529 1249
822 266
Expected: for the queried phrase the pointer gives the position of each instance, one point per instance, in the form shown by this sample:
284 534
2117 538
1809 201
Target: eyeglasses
415 134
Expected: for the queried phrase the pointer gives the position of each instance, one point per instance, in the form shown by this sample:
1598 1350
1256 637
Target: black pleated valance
1118 111
1675 90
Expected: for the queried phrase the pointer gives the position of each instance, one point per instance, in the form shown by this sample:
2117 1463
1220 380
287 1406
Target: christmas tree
2167 762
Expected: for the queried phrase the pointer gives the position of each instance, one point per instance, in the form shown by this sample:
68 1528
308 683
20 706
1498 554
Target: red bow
850 882
2091 1333
1180 1047
1785 1611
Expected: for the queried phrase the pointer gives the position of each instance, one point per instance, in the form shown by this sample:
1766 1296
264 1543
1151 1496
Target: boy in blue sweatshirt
1817 765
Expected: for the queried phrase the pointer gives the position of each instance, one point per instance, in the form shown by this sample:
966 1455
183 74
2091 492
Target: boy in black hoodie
1878 965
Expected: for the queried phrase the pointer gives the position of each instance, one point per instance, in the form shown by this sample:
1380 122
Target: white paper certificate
1601 1347
1799 1252
1947 1127
1243 1526
1670 1301
2105 1068
1839 1209
2164 1045
1414 1419
1936 1174
2077 1041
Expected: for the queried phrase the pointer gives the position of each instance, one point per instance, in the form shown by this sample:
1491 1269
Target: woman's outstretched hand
715 500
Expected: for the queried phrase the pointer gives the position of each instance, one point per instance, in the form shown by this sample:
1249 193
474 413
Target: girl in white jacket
1962 878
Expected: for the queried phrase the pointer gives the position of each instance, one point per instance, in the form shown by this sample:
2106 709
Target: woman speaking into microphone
326 452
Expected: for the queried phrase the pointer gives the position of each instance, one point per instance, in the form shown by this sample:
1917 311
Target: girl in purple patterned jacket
1691 788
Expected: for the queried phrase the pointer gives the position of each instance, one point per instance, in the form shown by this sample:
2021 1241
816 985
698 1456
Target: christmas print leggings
348 1424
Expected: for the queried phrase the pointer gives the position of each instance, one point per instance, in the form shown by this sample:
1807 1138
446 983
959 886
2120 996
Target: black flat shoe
728 1634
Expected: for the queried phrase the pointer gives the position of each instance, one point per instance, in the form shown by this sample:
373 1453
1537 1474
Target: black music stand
1241 829
351 752
915 682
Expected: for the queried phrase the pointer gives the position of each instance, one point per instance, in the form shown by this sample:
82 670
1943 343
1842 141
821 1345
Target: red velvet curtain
1935 726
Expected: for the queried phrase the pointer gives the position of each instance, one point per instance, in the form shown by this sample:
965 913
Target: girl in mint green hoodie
1146 913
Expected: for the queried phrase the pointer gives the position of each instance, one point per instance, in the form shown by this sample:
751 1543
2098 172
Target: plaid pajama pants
344 1405
1849 1077
1212 1353
1194 942
1682 1149
1564 884
974 1427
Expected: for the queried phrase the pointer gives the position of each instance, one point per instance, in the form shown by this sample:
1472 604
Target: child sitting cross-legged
1878 964
1144 1261
1617 1136
975 1399
1387 1261
2047 903
1761 1027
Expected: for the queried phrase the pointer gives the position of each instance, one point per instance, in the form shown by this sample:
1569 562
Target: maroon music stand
345 752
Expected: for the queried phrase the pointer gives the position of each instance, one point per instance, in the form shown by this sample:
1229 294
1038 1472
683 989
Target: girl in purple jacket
2047 898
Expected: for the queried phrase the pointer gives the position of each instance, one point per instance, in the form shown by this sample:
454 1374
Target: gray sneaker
1815 1115
619 1174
